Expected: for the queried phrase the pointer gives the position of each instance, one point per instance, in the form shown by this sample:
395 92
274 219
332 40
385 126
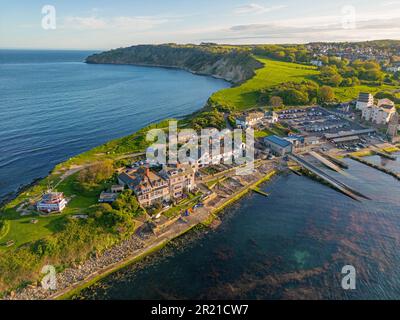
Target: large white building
52 202
379 114
365 100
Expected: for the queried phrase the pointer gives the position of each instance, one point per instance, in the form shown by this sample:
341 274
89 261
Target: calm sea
53 106
292 245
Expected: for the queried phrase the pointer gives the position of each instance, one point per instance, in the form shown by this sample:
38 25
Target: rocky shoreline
14 194
92 266
111 260
135 247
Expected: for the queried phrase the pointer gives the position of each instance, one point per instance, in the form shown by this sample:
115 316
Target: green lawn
22 231
275 72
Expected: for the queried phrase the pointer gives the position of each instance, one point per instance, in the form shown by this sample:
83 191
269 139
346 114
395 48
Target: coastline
96 273
69 292
12 195
15 293
233 83
119 259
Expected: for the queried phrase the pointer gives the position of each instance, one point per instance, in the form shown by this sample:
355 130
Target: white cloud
116 23
85 23
309 29
391 3
138 23
254 8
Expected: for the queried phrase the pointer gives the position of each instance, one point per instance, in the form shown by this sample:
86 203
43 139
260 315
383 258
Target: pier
325 161
337 161
354 194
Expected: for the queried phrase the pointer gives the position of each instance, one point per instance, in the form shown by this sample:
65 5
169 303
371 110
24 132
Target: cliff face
232 65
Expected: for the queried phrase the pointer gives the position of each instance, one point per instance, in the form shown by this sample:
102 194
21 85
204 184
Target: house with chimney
149 187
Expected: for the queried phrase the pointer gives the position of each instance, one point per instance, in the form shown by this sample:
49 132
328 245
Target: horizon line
192 43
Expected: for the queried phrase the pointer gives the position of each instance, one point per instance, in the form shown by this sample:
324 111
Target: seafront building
381 113
148 187
52 202
278 146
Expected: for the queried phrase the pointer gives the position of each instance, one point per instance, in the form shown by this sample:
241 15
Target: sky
100 24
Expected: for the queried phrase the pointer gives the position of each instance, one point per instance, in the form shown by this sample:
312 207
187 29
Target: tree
276 101
295 97
335 80
372 75
326 94
325 60
126 203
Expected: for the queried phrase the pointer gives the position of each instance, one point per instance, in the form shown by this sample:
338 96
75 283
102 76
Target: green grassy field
273 73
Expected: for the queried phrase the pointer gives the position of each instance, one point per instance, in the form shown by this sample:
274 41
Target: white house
381 113
52 202
249 120
220 154
365 100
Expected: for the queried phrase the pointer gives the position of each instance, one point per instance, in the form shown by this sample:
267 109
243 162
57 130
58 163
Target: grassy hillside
274 73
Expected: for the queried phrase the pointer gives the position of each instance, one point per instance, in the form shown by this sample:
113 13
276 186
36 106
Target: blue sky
104 24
